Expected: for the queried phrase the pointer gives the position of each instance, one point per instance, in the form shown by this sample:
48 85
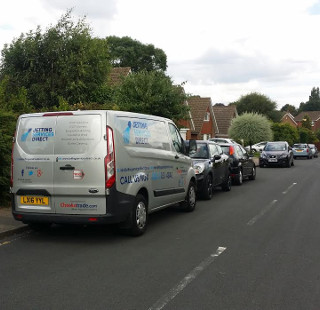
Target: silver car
302 150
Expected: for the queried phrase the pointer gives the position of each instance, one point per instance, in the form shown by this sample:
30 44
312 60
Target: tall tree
63 61
257 103
289 108
151 93
251 128
313 104
126 52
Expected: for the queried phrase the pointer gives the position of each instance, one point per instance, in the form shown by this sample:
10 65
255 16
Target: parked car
258 147
222 140
314 150
242 164
212 168
302 150
276 153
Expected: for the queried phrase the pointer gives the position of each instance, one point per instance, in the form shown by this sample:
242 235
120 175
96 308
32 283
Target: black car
277 153
242 164
212 168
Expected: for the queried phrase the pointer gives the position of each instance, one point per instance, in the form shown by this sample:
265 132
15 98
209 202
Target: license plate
34 200
299 150
272 160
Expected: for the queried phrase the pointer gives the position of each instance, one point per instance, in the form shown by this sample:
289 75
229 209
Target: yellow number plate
34 200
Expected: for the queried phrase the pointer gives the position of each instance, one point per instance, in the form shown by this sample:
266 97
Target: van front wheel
138 218
189 203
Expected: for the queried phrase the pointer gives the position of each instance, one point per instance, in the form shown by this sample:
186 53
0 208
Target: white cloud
224 49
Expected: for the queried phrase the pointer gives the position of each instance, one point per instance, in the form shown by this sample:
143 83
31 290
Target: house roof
116 75
288 114
198 108
224 115
314 115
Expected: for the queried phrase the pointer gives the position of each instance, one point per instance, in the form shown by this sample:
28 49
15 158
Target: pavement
8 225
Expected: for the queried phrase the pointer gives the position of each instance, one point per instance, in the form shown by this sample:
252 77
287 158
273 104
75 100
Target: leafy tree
313 104
285 132
306 135
64 61
126 52
151 93
7 128
289 108
306 122
251 128
257 103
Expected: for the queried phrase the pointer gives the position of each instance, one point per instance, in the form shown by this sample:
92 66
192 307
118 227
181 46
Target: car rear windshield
299 146
275 147
225 149
202 151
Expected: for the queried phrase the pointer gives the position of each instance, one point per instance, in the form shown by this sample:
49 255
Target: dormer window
207 117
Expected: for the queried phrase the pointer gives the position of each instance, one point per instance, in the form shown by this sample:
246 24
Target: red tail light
307 150
109 160
231 150
12 163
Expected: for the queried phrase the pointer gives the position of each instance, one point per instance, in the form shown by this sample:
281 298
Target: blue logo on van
25 135
126 134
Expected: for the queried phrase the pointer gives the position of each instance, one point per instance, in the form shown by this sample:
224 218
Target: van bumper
118 207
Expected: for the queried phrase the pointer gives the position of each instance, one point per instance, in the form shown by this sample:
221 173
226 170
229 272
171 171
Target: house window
312 123
207 117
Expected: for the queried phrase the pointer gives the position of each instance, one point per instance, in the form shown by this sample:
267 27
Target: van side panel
145 160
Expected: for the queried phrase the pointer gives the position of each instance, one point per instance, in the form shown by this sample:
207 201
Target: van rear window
78 134
60 135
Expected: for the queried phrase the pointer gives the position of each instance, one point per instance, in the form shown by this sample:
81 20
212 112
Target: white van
98 167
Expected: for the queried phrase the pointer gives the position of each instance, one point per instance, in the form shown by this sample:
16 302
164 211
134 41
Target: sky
222 49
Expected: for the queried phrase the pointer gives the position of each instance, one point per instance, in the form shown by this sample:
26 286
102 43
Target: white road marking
262 213
286 191
164 300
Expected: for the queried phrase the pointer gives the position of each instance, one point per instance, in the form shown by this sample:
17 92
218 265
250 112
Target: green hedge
7 129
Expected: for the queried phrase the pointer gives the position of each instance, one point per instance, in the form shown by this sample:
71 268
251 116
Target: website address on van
78 205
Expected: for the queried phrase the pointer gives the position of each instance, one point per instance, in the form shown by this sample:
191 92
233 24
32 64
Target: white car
258 147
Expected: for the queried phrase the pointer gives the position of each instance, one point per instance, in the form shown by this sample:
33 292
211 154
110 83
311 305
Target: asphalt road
256 247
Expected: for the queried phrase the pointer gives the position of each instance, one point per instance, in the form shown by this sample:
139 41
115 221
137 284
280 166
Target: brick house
202 117
314 117
224 115
288 118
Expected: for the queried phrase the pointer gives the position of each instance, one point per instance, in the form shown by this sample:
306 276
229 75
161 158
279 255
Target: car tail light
231 150
307 150
12 163
109 160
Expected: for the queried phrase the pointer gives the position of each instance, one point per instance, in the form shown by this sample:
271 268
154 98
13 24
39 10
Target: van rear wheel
190 201
137 221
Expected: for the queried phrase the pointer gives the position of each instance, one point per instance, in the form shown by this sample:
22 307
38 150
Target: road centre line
262 213
165 299
286 191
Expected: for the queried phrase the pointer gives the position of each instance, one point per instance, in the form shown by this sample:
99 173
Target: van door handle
67 167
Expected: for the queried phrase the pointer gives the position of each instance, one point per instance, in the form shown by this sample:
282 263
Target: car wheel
226 185
253 174
292 163
239 178
137 222
288 163
190 201
208 188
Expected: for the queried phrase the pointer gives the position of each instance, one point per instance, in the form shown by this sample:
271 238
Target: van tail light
109 160
231 150
12 163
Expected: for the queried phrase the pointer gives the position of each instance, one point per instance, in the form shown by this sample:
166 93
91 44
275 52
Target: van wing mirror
191 147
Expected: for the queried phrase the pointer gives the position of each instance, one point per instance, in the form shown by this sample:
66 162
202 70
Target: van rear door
79 173
33 159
